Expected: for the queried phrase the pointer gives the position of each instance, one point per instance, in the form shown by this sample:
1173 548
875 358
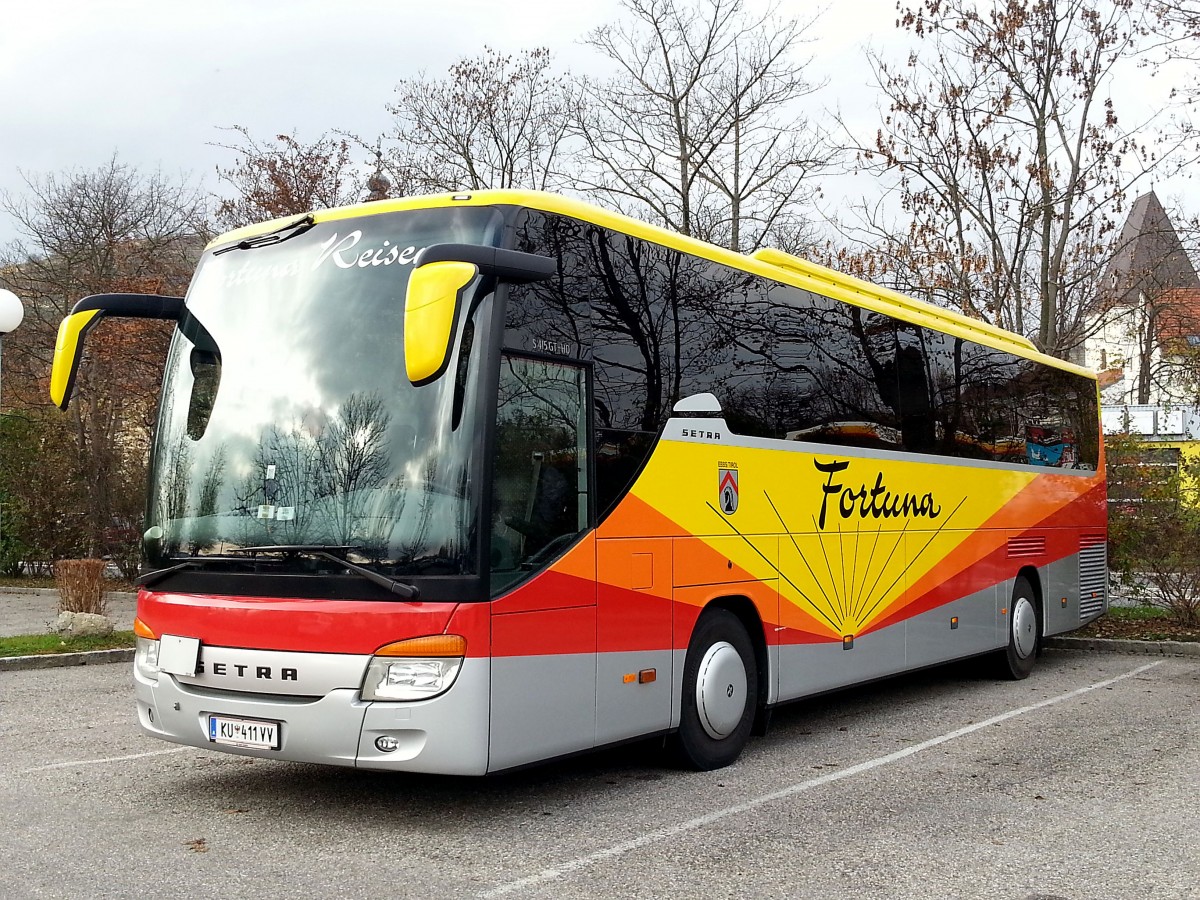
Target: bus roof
767 262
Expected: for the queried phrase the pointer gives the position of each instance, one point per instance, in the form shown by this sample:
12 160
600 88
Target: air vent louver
1093 575
1028 545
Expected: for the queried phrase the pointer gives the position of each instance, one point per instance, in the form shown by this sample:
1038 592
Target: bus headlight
145 658
416 669
409 679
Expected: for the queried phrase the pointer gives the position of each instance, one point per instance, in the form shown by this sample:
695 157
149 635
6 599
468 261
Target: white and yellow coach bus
461 483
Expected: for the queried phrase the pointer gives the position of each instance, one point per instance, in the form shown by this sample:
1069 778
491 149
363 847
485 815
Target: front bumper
445 735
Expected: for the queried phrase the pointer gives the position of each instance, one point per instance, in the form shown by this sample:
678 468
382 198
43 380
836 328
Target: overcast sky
154 80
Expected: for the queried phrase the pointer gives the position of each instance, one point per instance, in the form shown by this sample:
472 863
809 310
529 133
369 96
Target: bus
462 483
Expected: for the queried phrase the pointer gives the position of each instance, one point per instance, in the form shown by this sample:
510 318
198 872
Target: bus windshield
287 418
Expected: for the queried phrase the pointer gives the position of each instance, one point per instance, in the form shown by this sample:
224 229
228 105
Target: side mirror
435 292
68 349
436 286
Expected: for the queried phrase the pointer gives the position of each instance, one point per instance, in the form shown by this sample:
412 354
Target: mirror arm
507 265
134 306
68 348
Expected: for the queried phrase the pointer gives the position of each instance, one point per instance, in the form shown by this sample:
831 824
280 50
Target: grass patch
1139 623
41 644
1136 613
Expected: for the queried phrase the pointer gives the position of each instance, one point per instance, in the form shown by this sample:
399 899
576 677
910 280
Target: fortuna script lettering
874 502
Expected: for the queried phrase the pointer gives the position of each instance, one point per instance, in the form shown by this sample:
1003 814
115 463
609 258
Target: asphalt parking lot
1080 782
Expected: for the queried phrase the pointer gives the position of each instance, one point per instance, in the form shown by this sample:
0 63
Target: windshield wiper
408 591
159 574
283 233
193 562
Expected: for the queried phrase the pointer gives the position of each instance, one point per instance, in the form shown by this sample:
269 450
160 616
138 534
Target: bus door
543 574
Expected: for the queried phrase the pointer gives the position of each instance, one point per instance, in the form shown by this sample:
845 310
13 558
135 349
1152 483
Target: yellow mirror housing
430 306
68 349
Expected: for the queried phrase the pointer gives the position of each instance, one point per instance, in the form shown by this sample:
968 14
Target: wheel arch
1031 574
747 613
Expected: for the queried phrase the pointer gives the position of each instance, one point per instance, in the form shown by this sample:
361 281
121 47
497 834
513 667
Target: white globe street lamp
11 311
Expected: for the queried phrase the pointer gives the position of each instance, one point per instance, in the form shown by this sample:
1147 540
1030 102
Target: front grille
1093 575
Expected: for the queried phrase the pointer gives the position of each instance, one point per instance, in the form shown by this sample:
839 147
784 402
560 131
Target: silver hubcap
721 690
1024 625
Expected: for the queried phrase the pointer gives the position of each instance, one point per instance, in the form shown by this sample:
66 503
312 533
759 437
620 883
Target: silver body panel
542 706
932 637
446 735
806 669
1062 580
628 710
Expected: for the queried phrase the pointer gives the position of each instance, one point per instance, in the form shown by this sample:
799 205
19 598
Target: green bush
1154 527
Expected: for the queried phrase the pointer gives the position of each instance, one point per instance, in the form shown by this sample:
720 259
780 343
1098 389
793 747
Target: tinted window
812 369
989 404
659 325
785 363
553 316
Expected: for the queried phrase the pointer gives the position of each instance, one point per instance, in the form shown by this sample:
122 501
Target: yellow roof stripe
768 263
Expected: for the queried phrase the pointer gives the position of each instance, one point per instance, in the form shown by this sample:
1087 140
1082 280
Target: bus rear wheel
1024 632
720 693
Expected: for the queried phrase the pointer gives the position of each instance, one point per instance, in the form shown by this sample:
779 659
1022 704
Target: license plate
237 732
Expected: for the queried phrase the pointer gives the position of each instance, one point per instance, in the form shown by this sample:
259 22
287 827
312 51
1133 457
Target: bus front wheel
1024 632
720 693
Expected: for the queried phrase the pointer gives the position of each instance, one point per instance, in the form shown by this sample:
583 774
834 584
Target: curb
1109 645
59 660
53 592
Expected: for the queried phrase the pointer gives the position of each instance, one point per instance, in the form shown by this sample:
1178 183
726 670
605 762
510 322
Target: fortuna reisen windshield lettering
342 250
339 250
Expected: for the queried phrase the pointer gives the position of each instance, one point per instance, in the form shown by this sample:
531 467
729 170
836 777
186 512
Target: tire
1024 632
720 693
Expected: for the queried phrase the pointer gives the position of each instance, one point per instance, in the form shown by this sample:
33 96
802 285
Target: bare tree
1008 157
285 177
1173 58
495 121
699 128
85 232
1176 25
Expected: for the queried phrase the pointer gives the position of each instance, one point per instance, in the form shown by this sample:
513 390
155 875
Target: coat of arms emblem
727 491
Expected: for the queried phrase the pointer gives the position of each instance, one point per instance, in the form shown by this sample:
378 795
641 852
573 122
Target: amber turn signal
433 645
142 630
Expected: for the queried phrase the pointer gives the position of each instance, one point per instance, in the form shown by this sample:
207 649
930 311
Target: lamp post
11 313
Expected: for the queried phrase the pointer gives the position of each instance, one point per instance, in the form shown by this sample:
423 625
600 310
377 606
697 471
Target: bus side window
540 490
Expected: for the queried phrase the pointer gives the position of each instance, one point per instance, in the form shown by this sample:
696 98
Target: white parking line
662 834
107 759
